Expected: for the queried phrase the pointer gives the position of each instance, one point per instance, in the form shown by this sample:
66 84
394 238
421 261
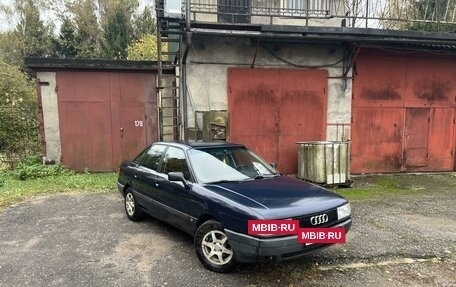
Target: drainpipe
188 42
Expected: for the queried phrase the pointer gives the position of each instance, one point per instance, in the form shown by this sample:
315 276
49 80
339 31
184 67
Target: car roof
199 144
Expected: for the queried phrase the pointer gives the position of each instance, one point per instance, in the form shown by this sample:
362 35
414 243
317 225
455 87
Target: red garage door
272 109
403 114
105 117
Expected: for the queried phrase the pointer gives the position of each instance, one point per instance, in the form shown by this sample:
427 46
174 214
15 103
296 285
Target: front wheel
213 249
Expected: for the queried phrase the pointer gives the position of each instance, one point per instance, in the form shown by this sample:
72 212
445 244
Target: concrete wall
50 106
210 58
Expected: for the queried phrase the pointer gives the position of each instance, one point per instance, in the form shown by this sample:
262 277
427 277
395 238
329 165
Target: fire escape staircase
169 38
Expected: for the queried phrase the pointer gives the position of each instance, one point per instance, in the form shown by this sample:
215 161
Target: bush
33 168
19 127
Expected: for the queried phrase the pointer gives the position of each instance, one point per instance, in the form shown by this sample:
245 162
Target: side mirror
274 165
178 176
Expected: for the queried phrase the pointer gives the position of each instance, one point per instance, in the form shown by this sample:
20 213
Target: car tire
132 209
213 249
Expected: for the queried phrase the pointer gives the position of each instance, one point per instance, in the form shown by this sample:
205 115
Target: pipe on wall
188 42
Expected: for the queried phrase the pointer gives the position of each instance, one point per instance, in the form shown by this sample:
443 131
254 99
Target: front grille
304 221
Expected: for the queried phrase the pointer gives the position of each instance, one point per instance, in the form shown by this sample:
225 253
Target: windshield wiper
261 176
223 181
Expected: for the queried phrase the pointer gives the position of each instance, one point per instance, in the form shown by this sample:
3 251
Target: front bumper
249 249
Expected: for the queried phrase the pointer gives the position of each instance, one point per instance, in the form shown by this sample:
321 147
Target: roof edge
38 63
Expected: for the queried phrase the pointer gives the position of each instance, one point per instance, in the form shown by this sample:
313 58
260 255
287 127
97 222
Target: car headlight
343 211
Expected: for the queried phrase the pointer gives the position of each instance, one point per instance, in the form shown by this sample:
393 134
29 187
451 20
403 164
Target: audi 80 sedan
211 189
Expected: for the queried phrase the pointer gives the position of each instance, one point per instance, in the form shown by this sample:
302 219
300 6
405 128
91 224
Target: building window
305 8
233 11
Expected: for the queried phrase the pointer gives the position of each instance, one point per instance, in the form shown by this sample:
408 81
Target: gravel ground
86 240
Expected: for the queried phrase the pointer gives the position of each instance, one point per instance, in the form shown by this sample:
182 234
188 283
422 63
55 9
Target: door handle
121 132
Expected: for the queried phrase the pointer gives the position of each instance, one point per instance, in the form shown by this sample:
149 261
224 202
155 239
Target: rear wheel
213 248
131 206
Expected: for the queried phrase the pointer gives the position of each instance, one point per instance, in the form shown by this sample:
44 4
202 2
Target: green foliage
31 177
18 114
36 36
379 187
66 46
87 29
31 36
144 24
117 34
431 27
11 49
144 49
39 170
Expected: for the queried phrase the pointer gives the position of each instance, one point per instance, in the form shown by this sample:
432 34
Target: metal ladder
169 38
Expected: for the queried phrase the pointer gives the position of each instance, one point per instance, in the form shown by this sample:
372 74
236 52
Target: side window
152 158
175 161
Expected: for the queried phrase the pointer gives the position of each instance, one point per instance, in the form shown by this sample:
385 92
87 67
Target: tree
31 36
18 114
87 29
354 9
36 36
144 23
144 49
11 50
66 46
117 35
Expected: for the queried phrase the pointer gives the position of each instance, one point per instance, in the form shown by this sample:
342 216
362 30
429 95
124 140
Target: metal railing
388 14
275 8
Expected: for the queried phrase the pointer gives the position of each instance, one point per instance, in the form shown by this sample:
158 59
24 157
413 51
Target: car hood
279 197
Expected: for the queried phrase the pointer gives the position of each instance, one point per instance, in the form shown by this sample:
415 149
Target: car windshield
212 165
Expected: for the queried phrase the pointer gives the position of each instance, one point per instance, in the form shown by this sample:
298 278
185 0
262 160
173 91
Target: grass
13 190
377 187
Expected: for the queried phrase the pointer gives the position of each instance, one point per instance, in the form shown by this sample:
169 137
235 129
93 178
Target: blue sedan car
211 190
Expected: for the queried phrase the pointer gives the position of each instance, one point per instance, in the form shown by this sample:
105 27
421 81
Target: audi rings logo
319 219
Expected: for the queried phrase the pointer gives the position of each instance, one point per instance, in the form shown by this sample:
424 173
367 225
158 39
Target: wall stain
385 93
432 90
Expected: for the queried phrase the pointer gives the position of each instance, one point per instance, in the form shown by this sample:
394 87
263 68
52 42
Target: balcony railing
388 14
275 8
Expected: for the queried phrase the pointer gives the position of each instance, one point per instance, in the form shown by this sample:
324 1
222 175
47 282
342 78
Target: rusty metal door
302 113
132 131
441 142
138 116
85 120
416 137
403 113
105 117
253 101
272 109
377 140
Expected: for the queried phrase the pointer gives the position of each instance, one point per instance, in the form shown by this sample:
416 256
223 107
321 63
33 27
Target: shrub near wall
19 127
